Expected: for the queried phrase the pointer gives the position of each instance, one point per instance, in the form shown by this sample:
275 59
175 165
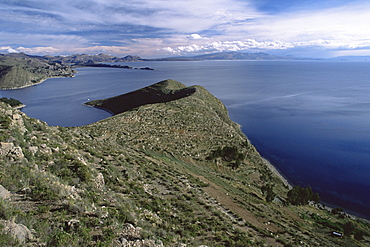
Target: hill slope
161 174
24 71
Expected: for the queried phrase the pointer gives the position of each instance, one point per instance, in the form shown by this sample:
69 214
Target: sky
166 28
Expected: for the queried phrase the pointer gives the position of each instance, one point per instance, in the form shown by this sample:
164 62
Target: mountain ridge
18 70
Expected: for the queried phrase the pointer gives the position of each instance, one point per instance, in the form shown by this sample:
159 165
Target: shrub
12 102
300 196
228 154
267 190
4 121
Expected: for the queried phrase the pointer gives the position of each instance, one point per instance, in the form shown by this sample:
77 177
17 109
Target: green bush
228 154
4 121
12 102
301 196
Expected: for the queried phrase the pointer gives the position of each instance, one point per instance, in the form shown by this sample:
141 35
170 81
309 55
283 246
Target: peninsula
168 169
160 92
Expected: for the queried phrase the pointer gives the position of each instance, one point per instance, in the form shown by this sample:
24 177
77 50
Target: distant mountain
352 58
91 59
102 58
229 56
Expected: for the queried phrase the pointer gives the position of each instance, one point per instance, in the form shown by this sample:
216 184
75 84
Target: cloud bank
164 28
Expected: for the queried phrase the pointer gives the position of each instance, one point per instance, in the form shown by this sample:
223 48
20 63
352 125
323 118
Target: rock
8 150
18 231
17 120
17 117
44 149
130 232
72 225
4 193
26 190
16 153
5 148
33 149
99 181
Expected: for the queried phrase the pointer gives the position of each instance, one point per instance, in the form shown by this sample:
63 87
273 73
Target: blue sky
161 28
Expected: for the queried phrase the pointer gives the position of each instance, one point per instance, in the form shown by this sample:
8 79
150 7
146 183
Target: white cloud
219 46
8 49
179 27
342 24
195 36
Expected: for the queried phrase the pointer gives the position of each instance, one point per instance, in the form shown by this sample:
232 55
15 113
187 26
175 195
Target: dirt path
227 203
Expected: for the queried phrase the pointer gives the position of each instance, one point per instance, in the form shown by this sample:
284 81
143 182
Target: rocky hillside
23 71
173 173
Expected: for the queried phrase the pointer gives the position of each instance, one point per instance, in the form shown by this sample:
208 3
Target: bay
311 119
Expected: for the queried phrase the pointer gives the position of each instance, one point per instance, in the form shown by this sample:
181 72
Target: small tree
301 196
268 191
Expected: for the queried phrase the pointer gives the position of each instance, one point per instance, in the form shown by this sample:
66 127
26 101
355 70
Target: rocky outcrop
4 193
10 151
18 231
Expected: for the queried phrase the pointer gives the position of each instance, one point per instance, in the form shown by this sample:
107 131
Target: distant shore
36 83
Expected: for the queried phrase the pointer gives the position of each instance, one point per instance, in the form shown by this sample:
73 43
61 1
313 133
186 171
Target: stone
5 148
17 116
16 153
18 231
33 149
99 181
72 225
130 232
4 193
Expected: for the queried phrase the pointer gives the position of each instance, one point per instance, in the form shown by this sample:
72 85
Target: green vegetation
10 101
301 196
268 191
158 175
228 154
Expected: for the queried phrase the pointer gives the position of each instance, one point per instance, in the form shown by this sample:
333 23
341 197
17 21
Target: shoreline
322 204
19 107
37 83
275 171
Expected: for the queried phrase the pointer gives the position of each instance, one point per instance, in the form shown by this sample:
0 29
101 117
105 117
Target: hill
23 71
79 59
171 173
160 92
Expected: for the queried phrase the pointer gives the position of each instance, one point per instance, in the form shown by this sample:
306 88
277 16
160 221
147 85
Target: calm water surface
311 119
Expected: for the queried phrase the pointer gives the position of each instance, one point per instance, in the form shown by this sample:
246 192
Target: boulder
4 193
130 232
5 148
18 231
99 181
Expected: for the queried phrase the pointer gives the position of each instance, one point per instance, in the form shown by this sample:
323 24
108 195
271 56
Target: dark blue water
311 119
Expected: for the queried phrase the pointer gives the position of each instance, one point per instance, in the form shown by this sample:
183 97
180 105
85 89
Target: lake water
311 119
